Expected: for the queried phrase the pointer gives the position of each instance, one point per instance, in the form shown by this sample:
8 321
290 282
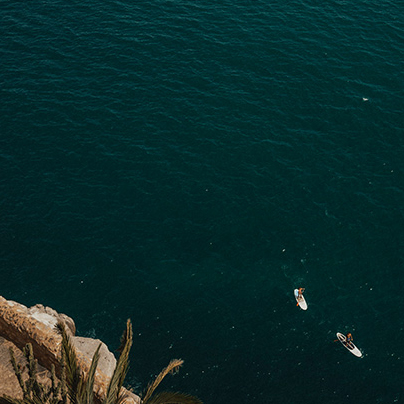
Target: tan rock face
86 347
19 326
36 325
50 317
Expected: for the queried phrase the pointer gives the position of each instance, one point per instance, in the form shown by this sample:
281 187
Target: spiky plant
77 387
168 397
114 392
81 387
33 391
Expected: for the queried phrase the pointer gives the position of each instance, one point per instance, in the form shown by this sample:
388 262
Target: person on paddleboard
299 295
348 341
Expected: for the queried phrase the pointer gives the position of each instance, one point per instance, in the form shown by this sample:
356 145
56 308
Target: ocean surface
187 164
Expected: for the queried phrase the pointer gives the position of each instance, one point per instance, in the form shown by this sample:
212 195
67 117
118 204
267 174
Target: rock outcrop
20 325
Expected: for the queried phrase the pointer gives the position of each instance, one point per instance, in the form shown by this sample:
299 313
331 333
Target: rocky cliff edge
20 325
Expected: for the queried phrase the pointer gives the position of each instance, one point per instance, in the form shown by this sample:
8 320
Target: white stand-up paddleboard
349 345
301 300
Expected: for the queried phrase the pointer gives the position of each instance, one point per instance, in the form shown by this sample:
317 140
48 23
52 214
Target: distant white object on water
300 300
365 99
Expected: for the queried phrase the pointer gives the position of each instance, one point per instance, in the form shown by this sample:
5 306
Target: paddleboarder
346 340
349 340
300 300
300 292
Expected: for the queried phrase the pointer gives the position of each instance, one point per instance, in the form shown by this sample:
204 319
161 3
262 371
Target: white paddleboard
349 345
300 299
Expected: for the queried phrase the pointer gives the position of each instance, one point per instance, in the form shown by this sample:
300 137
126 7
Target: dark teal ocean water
187 164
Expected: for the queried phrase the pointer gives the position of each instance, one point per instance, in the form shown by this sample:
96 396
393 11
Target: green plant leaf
169 397
89 382
172 368
10 400
18 372
114 388
73 371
